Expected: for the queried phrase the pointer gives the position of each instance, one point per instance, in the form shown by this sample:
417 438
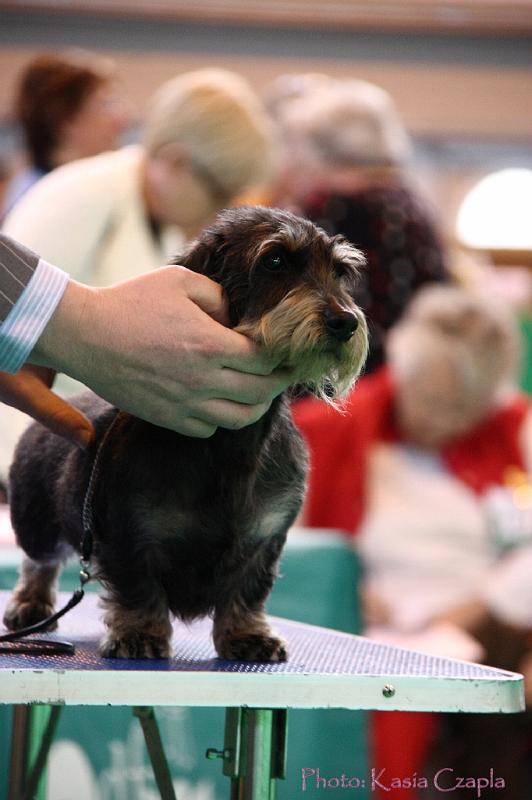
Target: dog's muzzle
341 324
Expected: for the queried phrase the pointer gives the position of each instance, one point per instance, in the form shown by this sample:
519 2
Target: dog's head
290 288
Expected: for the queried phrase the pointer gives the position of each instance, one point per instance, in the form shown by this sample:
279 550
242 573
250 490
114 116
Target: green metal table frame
326 669
253 754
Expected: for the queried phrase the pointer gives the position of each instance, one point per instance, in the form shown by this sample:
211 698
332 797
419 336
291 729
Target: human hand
29 391
157 346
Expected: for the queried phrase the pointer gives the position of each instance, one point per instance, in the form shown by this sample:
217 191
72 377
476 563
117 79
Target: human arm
155 345
30 290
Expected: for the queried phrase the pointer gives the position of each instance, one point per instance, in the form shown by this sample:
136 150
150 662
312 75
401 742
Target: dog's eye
273 263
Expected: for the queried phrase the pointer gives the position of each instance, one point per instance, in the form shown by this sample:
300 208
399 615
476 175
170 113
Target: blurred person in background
5 176
206 138
345 168
430 468
67 106
116 215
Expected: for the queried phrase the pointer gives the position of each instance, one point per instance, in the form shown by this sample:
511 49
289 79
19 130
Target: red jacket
340 443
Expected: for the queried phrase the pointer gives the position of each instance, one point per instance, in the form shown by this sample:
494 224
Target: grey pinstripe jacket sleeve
17 265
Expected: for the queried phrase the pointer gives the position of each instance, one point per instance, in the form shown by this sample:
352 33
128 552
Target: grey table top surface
325 669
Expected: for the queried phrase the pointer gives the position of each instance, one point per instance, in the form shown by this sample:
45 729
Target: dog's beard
294 333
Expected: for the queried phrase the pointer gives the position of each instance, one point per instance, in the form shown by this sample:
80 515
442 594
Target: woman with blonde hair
206 138
121 214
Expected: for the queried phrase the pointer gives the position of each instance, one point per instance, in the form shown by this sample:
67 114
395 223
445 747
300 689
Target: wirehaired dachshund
192 526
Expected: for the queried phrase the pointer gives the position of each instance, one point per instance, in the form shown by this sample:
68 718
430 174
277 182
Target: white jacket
88 218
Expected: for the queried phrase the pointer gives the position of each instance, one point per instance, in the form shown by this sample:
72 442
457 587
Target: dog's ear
210 254
204 255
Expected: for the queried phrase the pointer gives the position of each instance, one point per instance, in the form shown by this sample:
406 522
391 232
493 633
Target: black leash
37 647
16 641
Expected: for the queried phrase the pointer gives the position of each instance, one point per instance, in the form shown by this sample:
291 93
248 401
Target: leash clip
84 574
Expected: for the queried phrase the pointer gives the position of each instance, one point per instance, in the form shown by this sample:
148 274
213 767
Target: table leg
254 753
33 730
19 746
161 771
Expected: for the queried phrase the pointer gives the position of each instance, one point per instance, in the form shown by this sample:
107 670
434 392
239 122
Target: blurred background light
497 212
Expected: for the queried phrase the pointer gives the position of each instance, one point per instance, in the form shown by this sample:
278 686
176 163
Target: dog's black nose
341 324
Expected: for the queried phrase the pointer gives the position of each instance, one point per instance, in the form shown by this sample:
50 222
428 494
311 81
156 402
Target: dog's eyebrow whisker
347 254
293 237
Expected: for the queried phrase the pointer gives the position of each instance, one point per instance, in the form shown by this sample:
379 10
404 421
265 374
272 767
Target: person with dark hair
67 107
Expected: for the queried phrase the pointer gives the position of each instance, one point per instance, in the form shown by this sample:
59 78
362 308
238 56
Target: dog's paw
253 647
135 646
20 614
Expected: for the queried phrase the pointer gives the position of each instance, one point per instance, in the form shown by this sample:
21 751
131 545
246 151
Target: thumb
207 295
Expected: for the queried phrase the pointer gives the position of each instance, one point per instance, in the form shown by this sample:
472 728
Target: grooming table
326 669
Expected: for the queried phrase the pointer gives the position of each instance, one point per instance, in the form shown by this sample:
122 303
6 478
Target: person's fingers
228 414
63 419
239 352
29 394
243 354
45 374
196 428
207 294
249 389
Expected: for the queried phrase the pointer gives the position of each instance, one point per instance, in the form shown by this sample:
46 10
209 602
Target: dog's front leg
243 634
34 595
136 632
241 630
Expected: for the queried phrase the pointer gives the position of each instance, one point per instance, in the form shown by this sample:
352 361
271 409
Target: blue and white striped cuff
24 324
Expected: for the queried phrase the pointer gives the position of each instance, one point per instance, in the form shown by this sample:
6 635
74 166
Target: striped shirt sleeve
17 265
30 290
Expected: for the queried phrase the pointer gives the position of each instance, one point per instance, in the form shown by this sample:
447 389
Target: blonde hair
471 332
345 123
220 124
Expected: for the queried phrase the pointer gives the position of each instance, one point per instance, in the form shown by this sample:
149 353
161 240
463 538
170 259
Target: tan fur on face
294 331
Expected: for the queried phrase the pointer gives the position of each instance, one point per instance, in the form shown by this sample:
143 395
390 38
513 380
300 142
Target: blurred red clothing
340 445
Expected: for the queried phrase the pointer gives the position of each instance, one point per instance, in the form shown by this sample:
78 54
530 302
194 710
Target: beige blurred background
459 71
